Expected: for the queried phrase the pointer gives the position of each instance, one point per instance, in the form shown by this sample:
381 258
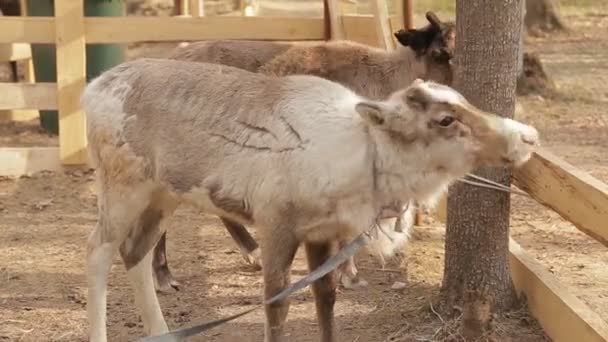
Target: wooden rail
136 29
28 96
563 316
574 194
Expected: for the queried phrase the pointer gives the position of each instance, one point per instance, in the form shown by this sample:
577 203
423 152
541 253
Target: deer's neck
403 68
405 172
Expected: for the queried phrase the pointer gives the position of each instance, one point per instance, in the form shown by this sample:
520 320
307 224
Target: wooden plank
27 30
360 28
18 115
23 7
182 7
71 80
19 161
336 25
563 316
381 23
399 10
134 29
574 194
15 52
28 96
198 8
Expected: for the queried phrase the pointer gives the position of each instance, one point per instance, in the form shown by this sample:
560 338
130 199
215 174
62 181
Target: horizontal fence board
28 96
563 316
574 194
135 29
27 30
138 29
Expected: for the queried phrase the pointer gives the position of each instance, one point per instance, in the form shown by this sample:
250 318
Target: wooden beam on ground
28 96
574 194
71 80
138 29
381 23
19 161
562 316
336 25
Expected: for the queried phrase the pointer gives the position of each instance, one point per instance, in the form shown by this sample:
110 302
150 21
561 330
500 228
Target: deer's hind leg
137 255
128 222
163 278
247 245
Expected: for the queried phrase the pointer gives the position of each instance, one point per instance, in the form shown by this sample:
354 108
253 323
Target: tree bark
477 275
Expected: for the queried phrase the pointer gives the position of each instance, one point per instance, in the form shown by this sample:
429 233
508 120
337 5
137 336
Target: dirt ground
45 219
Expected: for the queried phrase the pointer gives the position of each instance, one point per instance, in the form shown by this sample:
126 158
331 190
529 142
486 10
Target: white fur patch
441 93
528 133
109 99
389 241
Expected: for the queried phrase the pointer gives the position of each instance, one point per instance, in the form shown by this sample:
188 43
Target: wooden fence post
197 7
336 26
71 80
383 29
408 14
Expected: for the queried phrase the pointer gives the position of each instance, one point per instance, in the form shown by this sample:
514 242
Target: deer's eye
447 121
441 55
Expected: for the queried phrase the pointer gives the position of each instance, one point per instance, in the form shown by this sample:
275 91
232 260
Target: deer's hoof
254 258
164 282
353 283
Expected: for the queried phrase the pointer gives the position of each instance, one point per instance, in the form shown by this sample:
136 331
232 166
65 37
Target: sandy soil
45 219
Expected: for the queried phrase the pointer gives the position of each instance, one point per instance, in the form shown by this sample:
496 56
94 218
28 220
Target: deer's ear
417 40
434 20
372 112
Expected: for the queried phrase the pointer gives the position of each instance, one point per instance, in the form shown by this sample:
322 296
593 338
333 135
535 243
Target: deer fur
302 159
423 53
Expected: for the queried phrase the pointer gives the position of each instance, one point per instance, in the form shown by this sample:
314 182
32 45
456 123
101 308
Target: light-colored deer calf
424 53
302 159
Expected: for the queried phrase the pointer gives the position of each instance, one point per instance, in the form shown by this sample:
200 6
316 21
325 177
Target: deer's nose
530 136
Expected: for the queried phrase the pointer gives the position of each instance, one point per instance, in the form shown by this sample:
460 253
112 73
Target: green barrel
99 56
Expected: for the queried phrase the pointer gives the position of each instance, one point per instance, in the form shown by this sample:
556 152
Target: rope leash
486 183
329 265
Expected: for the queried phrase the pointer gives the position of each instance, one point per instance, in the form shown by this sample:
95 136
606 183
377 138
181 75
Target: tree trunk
543 15
477 275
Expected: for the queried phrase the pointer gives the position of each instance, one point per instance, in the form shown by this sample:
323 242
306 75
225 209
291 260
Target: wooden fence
70 31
